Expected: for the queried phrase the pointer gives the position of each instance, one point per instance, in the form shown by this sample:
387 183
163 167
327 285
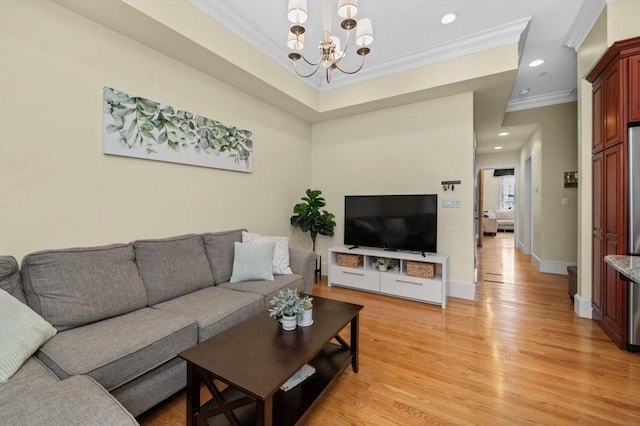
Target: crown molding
224 12
474 43
542 100
586 18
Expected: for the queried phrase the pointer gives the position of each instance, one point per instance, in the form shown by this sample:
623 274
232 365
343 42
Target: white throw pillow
22 332
280 252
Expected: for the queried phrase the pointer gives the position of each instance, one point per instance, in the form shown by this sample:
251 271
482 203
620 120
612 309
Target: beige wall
623 20
491 191
619 21
59 190
559 155
531 149
553 149
405 150
497 160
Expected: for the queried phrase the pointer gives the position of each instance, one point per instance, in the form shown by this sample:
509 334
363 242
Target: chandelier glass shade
330 53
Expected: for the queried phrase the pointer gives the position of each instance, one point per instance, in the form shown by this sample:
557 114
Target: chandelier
330 53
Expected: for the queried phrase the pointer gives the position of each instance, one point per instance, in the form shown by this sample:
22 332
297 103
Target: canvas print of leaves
141 128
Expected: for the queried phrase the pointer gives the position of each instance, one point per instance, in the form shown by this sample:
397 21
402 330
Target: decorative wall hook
450 184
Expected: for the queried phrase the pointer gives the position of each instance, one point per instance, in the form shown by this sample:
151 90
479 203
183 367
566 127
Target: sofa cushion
32 375
10 277
76 401
22 332
172 267
215 309
139 395
268 289
78 286
117 350
220 252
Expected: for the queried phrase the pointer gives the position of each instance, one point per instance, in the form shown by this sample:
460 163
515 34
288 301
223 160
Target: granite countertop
629 266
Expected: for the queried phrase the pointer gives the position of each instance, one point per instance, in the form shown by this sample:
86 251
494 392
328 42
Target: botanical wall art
141 128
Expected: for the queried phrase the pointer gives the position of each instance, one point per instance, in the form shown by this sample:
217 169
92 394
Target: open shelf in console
395 280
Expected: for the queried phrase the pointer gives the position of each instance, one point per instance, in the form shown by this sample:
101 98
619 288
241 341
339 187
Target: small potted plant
305 317
285 307
384 263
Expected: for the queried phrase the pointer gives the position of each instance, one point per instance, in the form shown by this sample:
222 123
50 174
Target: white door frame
527 226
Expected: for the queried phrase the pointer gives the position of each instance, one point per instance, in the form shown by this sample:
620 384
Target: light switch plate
450 202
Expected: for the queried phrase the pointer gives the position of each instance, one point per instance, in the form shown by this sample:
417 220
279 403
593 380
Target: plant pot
289 323
305 319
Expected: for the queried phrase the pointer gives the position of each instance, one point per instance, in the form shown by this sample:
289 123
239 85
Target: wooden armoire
616 104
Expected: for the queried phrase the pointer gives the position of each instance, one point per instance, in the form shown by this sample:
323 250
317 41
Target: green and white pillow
22 332
252 262
280 251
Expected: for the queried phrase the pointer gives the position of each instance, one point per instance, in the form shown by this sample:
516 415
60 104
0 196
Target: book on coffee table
301 375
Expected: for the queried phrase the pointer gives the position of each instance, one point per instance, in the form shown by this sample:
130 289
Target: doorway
497 201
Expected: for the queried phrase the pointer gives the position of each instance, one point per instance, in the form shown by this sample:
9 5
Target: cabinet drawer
411 287
357 278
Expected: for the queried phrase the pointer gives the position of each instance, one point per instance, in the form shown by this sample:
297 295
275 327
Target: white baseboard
462 290
535 260
550 266
520 246
582 307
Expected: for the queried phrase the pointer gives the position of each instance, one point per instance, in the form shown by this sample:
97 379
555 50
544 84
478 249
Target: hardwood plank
516 355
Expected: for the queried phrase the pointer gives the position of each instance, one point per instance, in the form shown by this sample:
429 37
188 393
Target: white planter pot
289 323
306 318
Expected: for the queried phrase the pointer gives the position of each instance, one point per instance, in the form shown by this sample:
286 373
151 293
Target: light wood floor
516 355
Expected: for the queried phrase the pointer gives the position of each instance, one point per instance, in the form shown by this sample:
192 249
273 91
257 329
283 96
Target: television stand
394 282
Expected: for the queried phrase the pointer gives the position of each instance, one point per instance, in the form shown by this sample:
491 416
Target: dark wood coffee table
256 357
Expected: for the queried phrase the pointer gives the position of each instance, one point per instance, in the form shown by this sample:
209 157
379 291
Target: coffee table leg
193 395
264 414
354 343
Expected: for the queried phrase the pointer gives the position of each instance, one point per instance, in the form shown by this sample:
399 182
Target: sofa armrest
303 262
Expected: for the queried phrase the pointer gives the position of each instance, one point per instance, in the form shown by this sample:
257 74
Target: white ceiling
408 34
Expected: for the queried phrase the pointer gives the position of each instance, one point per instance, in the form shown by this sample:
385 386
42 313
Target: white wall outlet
565 201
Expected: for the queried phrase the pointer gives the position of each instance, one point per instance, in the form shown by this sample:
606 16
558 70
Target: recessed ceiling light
497 147
536 63
503 134
524 92
448 18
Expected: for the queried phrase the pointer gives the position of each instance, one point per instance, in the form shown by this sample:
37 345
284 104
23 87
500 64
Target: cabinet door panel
612 107
598 202
615 289
597 117
634 88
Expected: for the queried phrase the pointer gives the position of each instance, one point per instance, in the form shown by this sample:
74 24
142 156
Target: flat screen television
392 222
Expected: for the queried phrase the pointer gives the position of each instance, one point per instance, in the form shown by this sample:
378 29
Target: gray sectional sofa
123 312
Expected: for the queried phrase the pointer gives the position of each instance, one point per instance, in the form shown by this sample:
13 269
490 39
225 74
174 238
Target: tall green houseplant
308 216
